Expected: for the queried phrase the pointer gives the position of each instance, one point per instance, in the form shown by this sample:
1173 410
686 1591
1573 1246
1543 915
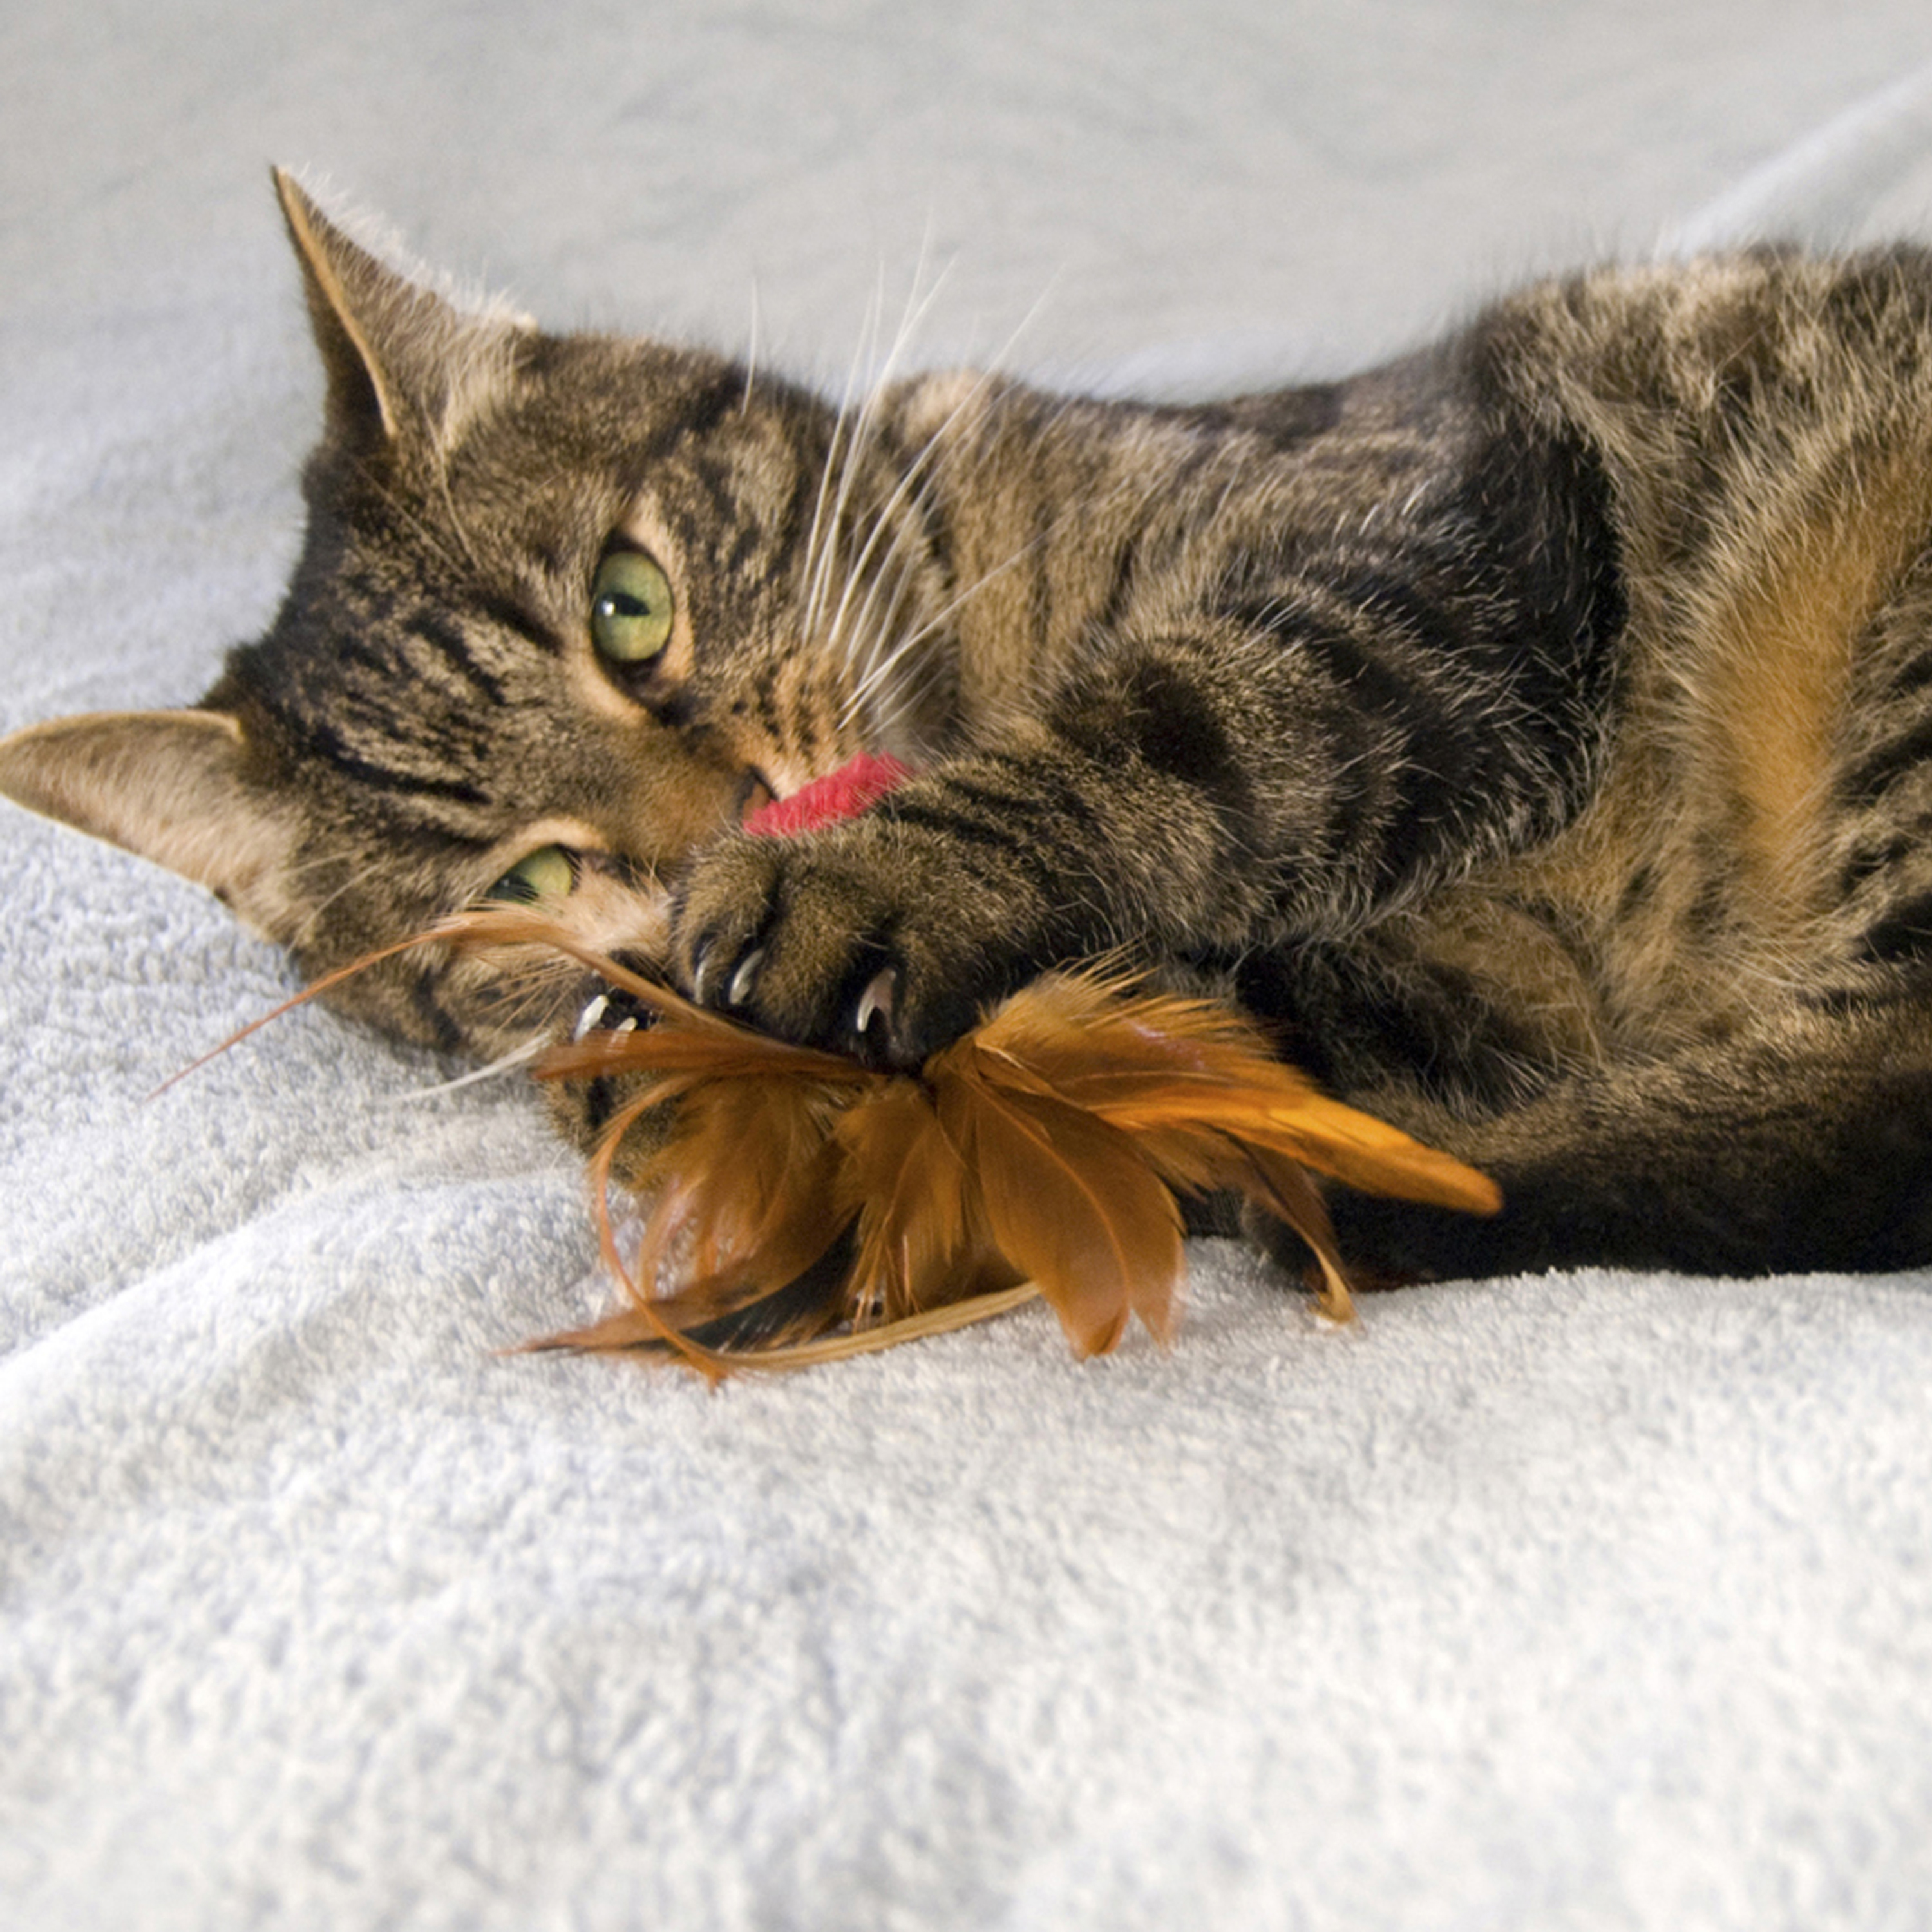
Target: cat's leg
1805 1143
1197 793
1803 1140
888 934
1200 791
1333 724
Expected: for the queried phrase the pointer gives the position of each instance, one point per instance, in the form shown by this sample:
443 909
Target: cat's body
1537 732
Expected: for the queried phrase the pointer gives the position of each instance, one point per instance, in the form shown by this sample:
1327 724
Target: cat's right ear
168 785
400 359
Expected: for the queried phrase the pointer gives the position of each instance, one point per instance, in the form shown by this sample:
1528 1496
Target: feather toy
804 1207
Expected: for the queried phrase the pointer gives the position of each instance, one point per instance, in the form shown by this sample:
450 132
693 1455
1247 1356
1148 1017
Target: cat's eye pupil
630 608
545 873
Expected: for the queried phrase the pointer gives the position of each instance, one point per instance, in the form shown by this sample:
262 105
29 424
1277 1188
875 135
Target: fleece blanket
1597 1601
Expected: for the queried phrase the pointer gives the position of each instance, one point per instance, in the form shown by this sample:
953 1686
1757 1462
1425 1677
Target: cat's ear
401 361
167 784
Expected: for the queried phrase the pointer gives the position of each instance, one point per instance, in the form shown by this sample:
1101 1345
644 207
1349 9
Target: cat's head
567 608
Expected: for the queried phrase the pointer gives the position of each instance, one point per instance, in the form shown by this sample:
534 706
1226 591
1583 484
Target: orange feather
1068 1202
908 1184
1046 1146
803 1207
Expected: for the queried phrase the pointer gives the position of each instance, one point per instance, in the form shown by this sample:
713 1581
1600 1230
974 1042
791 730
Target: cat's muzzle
610 1009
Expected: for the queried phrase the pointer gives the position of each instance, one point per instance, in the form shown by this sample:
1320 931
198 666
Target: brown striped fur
1537 731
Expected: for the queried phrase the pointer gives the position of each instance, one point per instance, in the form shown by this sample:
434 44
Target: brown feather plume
824 1208
804 1207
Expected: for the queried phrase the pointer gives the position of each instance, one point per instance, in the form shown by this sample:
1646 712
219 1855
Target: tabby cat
1535 734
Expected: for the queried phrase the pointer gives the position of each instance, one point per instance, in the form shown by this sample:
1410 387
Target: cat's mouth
612 1010
861 782
756 794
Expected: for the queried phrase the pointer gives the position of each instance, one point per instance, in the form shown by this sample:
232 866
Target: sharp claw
745 978
700 965
876 1001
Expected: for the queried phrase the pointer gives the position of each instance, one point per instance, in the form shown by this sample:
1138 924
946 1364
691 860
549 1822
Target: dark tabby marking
1537 731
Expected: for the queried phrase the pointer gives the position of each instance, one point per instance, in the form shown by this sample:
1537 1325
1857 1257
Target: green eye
545 873
630 608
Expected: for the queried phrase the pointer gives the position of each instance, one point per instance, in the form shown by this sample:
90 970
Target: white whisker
856 444
751 352
822 538
506 1063
947 611
912 490
920 473
855 637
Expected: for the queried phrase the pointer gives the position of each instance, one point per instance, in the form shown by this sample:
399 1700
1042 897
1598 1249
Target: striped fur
1537 732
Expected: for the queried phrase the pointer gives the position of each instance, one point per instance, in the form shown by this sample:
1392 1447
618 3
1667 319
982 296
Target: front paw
874 938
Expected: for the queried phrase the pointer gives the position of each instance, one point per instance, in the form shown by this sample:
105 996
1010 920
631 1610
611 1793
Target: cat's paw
874 938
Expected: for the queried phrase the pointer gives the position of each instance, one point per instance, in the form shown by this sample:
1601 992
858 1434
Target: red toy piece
843 794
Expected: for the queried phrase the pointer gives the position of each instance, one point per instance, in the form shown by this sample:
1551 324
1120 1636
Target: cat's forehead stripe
509 612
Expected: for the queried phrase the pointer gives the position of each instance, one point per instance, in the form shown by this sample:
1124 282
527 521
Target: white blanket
1598 1601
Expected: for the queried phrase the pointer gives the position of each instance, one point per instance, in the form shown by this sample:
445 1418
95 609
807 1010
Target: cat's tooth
624 1026
876 1001
700 966
745 978
594 1010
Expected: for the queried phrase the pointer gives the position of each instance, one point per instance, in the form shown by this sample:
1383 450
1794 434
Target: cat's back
1764 801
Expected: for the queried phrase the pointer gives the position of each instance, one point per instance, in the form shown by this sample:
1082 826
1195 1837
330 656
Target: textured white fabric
1598 1602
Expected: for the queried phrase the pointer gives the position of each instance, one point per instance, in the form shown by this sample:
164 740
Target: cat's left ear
169 785
403 363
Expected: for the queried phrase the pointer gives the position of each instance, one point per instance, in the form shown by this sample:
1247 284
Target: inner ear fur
404 365
166 784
